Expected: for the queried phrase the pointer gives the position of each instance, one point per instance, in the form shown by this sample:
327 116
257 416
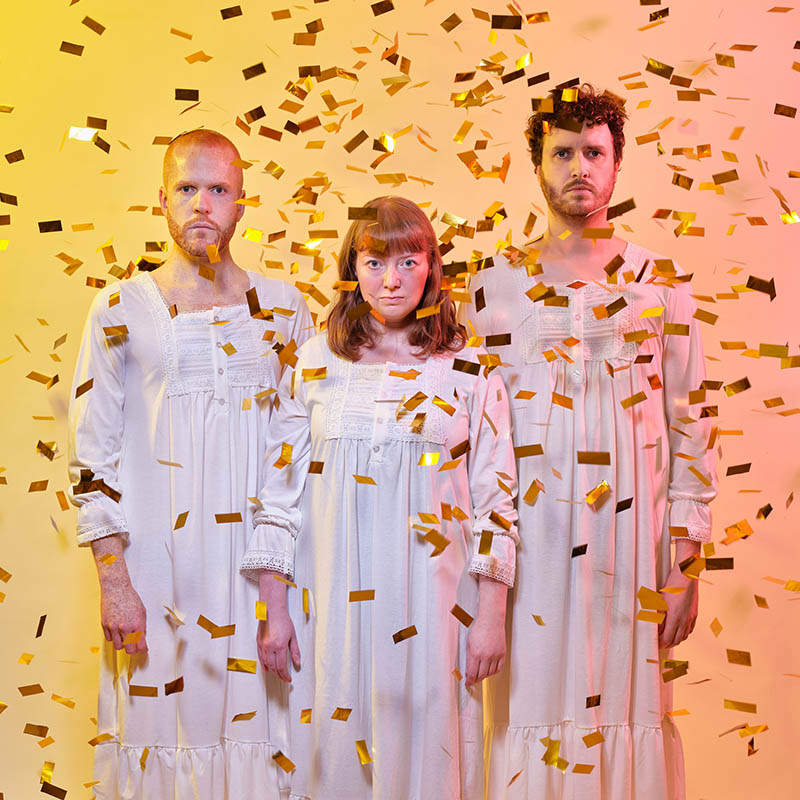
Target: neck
185 268
564 237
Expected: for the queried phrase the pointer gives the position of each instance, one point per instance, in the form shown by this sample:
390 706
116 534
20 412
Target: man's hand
681 610
122 613
121 609
275 635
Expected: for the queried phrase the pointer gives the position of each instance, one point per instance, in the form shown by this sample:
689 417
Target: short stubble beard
182 238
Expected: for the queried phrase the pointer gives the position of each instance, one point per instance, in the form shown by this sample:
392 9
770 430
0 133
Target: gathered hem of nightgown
230 770
631 762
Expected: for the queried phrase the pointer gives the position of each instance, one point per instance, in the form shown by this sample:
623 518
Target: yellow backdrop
434 88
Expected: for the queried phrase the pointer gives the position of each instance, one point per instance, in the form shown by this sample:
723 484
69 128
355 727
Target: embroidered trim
492 568
355 388
187 343
546 327
266 559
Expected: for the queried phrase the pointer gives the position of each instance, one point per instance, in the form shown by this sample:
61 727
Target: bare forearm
112 571
492 599
685 548
272 591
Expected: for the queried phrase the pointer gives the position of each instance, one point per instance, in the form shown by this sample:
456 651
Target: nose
202 203
391 277
578 166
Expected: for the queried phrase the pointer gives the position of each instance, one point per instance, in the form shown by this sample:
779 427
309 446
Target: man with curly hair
603 361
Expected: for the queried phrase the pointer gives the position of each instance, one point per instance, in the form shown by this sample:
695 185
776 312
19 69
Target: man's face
199 196
578 171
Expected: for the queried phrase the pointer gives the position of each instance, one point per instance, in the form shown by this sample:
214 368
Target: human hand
681 614
275 635
122 613
486 649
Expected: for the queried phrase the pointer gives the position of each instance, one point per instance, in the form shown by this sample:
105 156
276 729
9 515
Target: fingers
471 672
116 638
282 665
294 649
107 633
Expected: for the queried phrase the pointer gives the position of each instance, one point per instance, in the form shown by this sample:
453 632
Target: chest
215 350
390 403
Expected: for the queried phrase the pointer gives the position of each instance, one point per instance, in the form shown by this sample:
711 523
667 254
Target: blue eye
218 190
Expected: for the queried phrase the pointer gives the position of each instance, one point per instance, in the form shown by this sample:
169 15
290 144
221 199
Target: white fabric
168 391
589 643
421 726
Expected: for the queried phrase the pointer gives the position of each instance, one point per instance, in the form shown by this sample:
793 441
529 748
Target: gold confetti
365 479
462 616
244 716
226 518
360 595
242 665
737 705
341 714
363 753
405 633
286 764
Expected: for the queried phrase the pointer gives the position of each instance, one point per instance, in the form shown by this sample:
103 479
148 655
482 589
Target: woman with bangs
388 505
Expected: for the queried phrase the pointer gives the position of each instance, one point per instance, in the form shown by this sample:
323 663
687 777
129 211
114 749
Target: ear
240 207
162 199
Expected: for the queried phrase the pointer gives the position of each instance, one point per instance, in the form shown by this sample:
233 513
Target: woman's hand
486 649
275 635
486 643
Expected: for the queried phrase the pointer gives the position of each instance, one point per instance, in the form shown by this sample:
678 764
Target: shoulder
115 299
492 270
658 265
316 349
275 292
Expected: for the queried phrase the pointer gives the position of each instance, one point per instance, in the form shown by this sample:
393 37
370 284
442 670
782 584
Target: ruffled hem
630 762
228 771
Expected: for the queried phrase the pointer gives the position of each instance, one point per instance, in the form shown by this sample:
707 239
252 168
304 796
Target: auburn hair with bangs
400 227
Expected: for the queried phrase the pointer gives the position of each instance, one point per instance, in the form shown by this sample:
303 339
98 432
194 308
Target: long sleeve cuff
692 515
99 518
500 564
270 547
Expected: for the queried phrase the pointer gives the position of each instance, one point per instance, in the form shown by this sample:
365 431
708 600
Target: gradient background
128 75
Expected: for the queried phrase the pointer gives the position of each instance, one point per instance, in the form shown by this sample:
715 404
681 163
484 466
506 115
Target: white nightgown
613 389
379 502
173 421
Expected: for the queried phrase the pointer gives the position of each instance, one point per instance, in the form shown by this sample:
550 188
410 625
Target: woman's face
393 284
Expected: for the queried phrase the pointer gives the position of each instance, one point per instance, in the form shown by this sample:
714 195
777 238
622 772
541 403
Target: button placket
220 363
380 419
578 314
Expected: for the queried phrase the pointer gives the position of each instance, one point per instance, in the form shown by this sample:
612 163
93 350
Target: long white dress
579 660
173 422
374 502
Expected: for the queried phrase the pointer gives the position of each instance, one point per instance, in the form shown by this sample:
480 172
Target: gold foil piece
242 665
363 753
404 633
361 595
462 616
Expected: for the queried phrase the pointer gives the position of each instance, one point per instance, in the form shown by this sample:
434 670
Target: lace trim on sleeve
265 559
492 568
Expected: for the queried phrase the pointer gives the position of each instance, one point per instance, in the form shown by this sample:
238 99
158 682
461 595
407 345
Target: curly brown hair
590 107
401 227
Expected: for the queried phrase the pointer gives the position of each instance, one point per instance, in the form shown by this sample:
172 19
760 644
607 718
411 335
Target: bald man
168 421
